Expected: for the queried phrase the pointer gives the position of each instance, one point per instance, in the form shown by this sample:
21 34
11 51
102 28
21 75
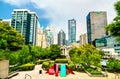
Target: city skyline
51 13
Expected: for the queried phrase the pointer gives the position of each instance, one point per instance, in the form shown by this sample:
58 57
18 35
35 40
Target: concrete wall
4 68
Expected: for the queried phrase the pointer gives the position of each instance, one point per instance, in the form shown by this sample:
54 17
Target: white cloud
17 2
59 11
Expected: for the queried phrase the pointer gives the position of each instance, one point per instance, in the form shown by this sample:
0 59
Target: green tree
0 19
4 54
55 51
34 51
114 27
72 51
25 56
10 38
44 53
87 55
74 55
14 57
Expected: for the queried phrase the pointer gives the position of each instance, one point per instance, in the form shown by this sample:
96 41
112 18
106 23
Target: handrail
27 75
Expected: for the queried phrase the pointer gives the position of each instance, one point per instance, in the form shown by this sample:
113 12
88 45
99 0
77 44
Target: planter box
4 68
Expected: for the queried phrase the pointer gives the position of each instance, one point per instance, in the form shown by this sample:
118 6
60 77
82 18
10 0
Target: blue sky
56 13
6 10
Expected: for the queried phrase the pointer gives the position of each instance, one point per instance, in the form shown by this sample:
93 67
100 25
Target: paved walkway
35 75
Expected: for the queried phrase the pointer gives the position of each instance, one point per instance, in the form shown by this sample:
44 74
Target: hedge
41 61
61 61
47 64
28 66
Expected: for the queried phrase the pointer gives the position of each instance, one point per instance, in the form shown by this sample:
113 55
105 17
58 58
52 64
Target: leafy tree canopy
114 27
86 54
0 19
55 51
10 38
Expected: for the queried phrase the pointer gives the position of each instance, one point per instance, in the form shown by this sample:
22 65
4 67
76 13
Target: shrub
52 62
46 65
39 61
47 59
69 61
61 61
93 71
72 66
27 67
79 68
113 65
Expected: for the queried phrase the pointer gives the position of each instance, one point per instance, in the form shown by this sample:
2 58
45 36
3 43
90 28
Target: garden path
35 75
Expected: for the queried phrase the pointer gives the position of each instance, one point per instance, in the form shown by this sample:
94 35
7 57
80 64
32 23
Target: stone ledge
13 74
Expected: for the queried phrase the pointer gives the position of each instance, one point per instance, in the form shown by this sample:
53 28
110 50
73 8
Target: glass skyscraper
26 23
49 35
61 38
72 31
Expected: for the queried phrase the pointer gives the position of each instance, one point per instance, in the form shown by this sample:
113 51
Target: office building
49 35
72 31
61 38
26 23
96 22
83 39
107 43
41 38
